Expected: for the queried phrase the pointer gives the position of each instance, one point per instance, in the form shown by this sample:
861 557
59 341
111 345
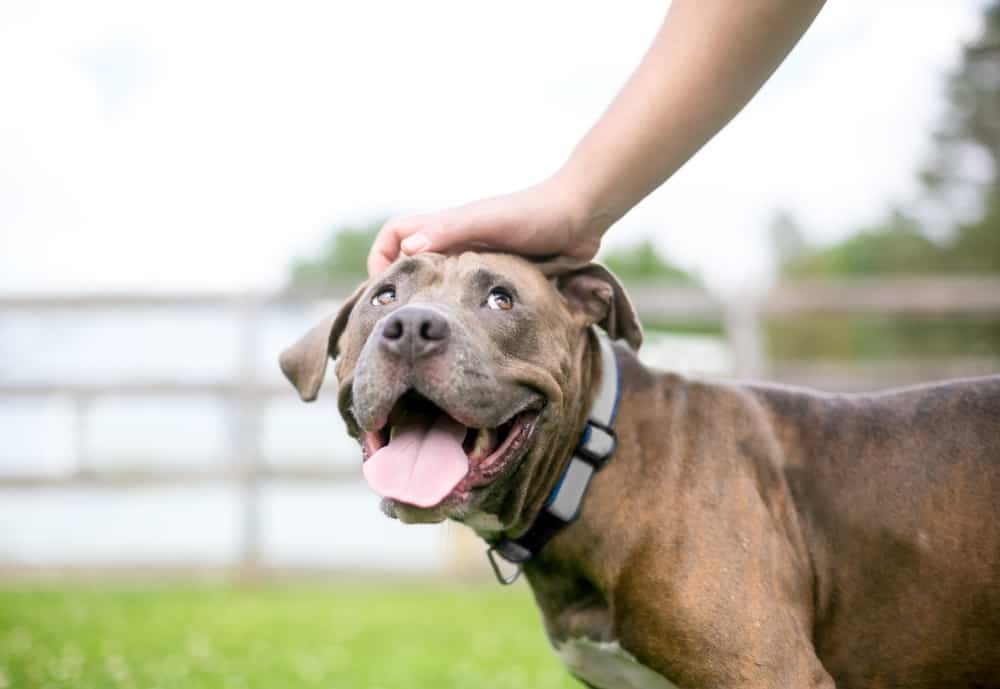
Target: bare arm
706 62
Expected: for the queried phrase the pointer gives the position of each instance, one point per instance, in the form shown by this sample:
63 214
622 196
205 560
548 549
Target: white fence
109 403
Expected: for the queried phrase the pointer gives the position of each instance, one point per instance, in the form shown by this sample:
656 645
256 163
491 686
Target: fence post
81 431
742 325
246 437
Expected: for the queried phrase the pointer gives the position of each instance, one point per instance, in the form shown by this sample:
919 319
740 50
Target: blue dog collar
595 447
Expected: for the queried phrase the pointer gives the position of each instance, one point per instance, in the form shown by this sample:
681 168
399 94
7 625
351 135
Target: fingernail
414 243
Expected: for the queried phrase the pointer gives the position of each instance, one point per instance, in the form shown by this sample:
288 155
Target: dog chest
606 665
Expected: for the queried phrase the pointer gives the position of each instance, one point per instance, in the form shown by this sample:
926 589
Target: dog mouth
424 456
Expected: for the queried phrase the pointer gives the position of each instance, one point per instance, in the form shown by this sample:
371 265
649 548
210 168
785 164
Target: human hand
542 220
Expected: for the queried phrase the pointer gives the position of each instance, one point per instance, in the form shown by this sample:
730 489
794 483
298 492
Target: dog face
461 377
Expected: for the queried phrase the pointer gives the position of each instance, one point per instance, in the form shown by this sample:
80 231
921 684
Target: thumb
442 234
471 226
416 243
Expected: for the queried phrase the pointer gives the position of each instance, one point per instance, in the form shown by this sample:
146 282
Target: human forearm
707 60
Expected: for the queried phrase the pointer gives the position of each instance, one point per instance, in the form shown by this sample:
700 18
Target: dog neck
594 447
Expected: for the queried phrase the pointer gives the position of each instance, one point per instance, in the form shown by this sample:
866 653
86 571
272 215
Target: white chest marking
608 666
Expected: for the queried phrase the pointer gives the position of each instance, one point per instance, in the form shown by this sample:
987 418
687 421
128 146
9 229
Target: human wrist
588 217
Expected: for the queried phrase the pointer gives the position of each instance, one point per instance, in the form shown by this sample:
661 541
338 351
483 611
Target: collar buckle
498 550
597 444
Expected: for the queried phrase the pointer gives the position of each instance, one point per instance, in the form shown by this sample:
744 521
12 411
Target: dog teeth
486 439
392 432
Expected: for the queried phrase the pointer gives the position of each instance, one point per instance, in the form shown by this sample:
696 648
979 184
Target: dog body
740 536
751 536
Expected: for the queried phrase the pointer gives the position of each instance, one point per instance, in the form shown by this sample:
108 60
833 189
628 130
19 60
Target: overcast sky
202 145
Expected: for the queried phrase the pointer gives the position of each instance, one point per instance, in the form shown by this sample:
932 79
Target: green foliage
898 246
642 262
342 260
882 337
398 637
895 247
976 247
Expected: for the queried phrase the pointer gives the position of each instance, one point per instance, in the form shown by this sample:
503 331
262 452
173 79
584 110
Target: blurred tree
895 246
969 131
341 260
971 127
642 262
968 134
973 119
976 247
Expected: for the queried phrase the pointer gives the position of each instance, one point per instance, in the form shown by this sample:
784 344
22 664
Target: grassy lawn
355 637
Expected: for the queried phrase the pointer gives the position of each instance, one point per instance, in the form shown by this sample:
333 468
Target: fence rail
741 320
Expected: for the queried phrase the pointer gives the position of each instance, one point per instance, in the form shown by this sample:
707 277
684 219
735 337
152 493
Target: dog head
463 379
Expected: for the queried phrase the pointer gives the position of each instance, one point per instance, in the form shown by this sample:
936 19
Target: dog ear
304 363
593 290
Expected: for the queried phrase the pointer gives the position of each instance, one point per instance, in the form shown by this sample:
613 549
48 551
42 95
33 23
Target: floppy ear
591 289
304 363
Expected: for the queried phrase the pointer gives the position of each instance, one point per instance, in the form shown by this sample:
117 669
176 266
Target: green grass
355 637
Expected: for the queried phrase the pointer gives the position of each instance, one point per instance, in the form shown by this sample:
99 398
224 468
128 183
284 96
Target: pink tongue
422 463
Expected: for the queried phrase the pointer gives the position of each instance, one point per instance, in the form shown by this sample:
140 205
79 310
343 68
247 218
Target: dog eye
500 300
384 296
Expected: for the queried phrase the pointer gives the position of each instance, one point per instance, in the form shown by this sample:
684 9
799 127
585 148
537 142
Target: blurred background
185 188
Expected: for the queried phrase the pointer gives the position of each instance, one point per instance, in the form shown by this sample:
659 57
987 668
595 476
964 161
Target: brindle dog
741 536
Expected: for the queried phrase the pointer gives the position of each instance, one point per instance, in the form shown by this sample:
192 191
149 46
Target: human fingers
386 247
444 232
497 223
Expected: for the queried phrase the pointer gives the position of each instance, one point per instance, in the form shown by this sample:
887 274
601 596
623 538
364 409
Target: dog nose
413 332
